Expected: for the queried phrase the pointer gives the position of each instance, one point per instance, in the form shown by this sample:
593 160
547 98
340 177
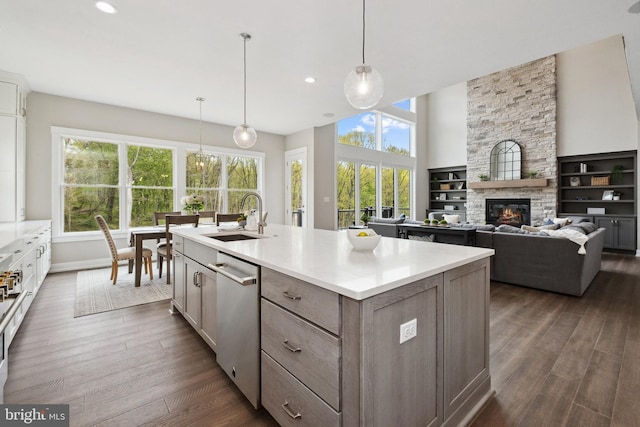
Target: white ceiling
160 55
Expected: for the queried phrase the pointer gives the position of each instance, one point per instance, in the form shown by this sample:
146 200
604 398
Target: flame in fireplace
508 215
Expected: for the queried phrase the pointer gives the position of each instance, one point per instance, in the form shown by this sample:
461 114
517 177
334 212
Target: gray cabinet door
179 281
621 232
193 300
209 292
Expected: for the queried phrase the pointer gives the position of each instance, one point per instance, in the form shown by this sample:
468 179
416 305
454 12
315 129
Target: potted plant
365 218
443 223
483 177
532 174
434 222
242 220
616 173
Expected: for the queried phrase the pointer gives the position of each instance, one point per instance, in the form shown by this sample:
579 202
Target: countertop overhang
326 258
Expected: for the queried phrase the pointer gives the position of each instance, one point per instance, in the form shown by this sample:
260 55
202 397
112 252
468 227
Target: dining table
137 237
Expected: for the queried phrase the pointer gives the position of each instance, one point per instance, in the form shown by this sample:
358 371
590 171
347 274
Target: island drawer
289 401
308 352
315 304
198 252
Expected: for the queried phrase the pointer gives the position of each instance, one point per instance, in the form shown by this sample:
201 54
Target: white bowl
363 243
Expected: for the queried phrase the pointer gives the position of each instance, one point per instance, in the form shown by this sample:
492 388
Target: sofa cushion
506 228
387 220
477 227
540 228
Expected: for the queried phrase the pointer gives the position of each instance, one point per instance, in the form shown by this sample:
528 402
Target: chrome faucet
261 223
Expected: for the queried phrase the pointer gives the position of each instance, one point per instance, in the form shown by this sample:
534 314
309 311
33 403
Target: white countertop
326 258
11 231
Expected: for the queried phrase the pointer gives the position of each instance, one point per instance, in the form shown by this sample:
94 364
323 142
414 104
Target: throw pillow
452 219
583 227
562 221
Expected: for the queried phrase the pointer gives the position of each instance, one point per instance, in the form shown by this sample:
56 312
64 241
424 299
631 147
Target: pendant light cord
245 36
363 28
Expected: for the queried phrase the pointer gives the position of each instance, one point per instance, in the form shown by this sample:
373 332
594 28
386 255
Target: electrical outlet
408 330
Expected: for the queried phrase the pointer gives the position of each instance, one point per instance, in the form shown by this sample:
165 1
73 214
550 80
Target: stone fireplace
516 104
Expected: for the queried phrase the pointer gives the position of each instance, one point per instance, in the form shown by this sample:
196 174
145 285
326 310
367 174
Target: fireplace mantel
512 183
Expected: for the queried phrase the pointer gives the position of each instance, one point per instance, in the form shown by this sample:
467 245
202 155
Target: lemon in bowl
363 239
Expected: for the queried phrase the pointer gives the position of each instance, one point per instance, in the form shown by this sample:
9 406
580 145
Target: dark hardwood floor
555 360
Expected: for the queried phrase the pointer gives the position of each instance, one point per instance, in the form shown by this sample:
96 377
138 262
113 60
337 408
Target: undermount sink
233 237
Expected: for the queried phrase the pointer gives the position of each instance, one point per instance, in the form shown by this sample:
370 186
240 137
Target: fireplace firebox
514 212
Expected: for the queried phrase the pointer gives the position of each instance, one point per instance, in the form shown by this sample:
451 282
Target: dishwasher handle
244 281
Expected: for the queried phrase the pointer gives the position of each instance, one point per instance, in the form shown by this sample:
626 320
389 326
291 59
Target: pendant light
244 135
363 86
200 156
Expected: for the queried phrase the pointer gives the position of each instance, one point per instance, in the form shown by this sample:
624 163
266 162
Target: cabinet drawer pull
289 347
285 406
291 297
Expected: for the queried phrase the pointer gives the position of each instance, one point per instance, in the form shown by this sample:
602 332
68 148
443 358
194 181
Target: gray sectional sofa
534 260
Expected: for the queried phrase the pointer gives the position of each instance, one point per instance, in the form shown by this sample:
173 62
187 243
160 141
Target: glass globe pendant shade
363 87
244 136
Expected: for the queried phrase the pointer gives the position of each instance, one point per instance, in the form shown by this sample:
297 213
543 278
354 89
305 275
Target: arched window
505 160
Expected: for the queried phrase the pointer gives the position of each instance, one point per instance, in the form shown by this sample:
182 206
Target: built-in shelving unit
448 190
603 187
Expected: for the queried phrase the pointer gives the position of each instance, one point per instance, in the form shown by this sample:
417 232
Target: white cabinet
13 148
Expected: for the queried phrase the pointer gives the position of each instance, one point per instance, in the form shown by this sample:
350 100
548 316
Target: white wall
324 201
596 112
49 110
447 127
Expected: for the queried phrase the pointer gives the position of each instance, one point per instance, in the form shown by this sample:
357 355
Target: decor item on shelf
434 222
443 223
192 204
445 186
616 195
532 174
460 186
364 86
483 177
596 211
449 207
600 180
607 195
200 156
616 174
574 181
244 135
442 196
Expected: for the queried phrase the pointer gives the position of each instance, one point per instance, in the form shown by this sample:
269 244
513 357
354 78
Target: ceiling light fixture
635 8
310 80
244 135
363 86
106 7
200 156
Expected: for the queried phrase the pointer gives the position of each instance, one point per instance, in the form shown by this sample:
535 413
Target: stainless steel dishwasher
238 323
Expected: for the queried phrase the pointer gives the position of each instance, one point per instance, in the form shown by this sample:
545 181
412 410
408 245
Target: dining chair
206 215
158 219
233 217
123 253
165 252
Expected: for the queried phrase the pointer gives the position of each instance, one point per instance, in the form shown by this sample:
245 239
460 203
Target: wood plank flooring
555 360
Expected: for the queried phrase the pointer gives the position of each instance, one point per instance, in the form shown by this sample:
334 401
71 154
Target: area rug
95 293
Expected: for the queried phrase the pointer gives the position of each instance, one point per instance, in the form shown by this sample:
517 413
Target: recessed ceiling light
106 7
310 79
328 115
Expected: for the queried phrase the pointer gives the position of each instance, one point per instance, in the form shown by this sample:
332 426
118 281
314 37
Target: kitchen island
397 336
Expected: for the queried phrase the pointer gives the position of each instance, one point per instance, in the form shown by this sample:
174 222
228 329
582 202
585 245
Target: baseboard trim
82 265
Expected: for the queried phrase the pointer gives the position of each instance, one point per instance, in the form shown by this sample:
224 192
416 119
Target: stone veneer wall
519 104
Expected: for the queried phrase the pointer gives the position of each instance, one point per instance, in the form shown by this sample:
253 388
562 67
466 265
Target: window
375 165
92 184
396 136
127 178
407 104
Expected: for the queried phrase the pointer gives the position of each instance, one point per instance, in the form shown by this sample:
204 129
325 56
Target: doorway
296 187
